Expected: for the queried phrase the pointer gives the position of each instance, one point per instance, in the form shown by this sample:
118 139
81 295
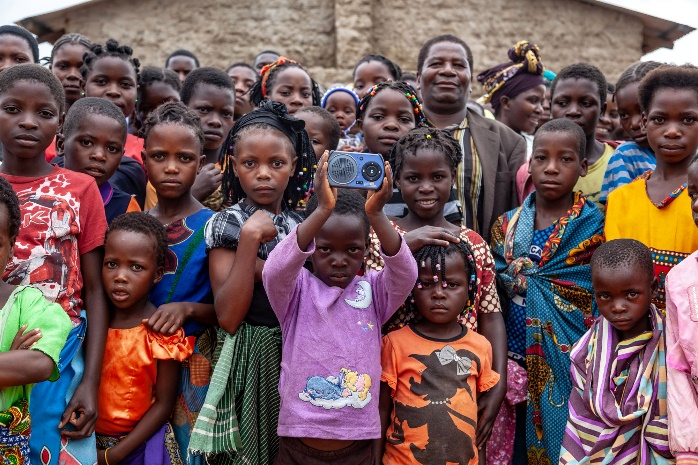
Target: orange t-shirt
434 386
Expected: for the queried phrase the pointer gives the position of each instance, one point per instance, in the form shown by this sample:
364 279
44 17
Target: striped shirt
627 163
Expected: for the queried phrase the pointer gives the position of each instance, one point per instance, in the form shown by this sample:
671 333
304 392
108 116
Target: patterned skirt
160 449
238 422
15 430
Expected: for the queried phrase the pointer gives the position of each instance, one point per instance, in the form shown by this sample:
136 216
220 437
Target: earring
83 93
136 100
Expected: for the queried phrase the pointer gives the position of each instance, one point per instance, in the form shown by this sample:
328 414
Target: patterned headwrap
523 72
266 71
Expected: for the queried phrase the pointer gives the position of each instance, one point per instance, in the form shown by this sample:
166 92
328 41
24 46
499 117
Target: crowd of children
183 285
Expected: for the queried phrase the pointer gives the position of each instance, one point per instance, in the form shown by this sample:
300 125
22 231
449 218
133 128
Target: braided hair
110 49
69 39
425 138
634 73
402 87
262 87
437 254
272 115
174 113
152 74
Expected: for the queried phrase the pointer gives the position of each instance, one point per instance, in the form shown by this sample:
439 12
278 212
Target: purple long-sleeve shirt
330 364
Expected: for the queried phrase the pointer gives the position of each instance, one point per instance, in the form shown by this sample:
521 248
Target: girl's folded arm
20 367
157 414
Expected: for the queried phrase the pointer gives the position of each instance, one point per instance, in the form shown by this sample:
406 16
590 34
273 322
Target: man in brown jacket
492 153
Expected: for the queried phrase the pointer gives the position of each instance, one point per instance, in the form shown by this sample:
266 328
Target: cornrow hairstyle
272 116
393 68
110 49
174 113
152 74
426 48
402 87
69 39
623 254
635 73
207 75
349 202
18 31
425 138
182 53
334 132
265 83
33 72
564 125
9 199
240 64
582 71
684 77
86 106
142 223
437 254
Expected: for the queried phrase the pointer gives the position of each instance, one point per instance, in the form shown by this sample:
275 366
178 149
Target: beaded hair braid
424 138
300 185
110 49
437 256
262 87
401 87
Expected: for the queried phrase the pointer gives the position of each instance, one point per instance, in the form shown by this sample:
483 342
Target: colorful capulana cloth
618 404
160 449
15 430
559 308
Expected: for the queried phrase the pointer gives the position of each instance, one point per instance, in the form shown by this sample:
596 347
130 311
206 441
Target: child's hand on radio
376 200
326 195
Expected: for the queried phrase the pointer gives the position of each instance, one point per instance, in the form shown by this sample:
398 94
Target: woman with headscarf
516 90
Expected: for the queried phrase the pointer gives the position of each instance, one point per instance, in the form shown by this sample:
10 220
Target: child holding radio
330 394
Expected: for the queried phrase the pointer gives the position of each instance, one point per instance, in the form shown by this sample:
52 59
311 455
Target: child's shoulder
631 189
685 272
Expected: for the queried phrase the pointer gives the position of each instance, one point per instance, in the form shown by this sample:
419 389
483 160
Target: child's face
94 148
425 182
14 51
152 96
243 79
292 87
609 121
389 116
66 67
343 107
623 295
630 114
578 100
263 60
317 131
182 65
264 162
7 243
555 166
340 246
215 106
129 268
369 74
29 118
172 159
672 124
438 304
545 116
692 187
524 110
113 79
